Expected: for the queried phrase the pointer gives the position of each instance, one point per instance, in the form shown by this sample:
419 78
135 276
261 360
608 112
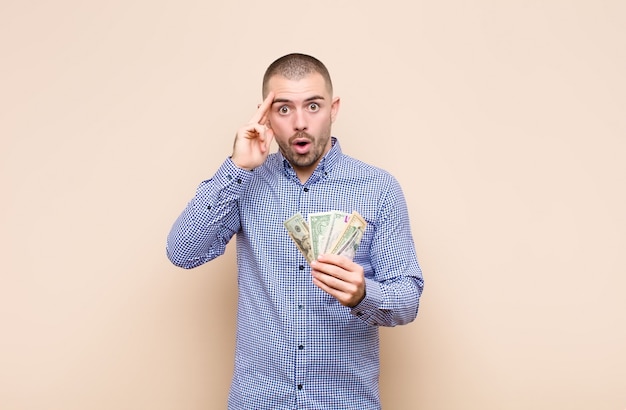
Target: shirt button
300 387
208 207
300 307
301 267
239 180
306 189
300 347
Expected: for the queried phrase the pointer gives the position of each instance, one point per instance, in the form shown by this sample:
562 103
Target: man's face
301 116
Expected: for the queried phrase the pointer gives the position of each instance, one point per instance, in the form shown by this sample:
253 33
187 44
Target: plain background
503 120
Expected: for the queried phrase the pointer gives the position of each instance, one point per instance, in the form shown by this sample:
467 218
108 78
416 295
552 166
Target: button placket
301 334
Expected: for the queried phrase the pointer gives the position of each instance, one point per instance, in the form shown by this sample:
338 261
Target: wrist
240 165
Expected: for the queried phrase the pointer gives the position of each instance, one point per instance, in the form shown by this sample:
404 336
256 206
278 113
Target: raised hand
252 141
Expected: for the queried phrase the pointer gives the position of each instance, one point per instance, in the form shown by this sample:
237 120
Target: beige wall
504 121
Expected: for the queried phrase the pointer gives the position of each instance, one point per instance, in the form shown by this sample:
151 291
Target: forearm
390 303
209 221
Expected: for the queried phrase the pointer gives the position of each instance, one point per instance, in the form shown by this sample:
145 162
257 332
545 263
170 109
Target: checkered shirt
296 346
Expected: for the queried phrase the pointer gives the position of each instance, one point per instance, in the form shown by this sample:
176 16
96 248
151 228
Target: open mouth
301 146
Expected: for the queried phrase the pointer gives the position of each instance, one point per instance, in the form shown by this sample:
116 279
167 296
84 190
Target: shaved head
296 66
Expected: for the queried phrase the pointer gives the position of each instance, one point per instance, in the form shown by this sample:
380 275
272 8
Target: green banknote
325 228
332 232
299 232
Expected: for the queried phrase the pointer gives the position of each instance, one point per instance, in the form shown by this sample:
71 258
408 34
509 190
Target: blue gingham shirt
296 346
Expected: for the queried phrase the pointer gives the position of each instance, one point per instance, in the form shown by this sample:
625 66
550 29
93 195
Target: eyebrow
285 100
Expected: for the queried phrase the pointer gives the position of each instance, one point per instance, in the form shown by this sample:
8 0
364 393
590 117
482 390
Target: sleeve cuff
229 173
228 179
367 308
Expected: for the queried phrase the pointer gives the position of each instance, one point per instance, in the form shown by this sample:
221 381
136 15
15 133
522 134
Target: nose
300 121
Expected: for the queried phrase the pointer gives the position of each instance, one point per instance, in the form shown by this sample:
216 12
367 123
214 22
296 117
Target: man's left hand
339 277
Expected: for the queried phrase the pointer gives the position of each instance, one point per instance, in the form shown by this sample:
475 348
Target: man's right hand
252 142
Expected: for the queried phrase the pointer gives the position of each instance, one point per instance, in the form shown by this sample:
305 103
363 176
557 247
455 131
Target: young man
307 333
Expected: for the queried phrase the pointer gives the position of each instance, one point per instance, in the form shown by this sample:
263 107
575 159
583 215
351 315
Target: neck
304 174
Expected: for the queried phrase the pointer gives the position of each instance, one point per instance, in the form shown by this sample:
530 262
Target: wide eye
314 107
284 110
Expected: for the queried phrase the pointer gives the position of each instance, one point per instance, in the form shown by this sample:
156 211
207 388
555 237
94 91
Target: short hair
296 66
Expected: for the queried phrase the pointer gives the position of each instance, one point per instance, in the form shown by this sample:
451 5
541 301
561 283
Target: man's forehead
281 99
304 87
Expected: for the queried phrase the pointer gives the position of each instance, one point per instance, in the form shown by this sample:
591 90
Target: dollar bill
348 242
325 228
299 232
318 226
339 220
332 232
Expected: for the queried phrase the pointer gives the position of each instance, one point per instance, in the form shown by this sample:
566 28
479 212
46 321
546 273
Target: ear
334 108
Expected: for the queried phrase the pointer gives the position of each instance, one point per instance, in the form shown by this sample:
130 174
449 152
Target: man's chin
301 161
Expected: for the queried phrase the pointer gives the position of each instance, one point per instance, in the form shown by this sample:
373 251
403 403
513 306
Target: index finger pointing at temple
263 108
